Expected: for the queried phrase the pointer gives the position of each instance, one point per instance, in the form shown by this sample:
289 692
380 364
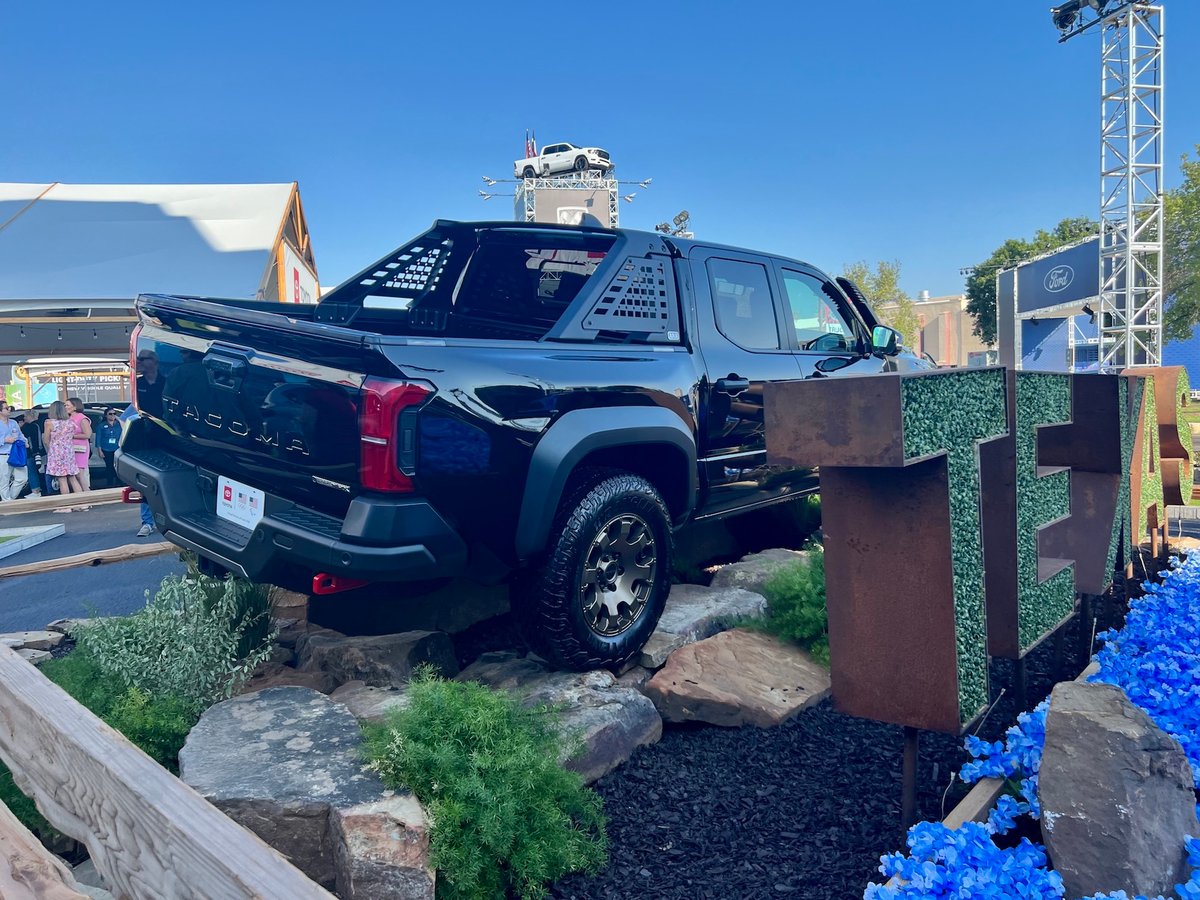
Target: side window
742 304
818 322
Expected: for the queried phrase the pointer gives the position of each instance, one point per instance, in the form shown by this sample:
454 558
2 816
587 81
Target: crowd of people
50 451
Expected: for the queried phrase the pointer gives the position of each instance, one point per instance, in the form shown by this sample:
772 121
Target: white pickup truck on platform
556 158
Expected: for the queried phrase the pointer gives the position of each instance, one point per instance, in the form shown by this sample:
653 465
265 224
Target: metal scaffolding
1131 192
525 198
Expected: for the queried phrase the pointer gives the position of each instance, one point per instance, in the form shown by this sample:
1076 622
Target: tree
1181 253
981 284
882 288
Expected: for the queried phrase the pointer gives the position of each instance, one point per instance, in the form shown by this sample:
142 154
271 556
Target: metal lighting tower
565 191
1131 184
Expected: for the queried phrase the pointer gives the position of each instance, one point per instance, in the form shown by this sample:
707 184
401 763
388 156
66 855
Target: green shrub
796 605
506 817
251 604
188 644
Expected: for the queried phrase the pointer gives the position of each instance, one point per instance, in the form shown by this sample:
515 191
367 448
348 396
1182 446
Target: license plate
239 503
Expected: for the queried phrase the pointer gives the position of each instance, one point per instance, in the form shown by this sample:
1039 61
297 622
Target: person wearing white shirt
12 478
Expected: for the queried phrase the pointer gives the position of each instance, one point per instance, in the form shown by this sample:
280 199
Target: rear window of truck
458 281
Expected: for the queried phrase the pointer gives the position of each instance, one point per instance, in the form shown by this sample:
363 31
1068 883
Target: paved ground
31 601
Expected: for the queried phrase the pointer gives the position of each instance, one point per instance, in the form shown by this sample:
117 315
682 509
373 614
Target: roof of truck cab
684 245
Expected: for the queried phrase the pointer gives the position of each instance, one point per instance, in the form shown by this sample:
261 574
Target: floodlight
683 216
628 198
1064 16
645 184
1090 313
488 181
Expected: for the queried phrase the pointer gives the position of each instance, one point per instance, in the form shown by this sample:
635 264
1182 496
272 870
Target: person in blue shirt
108 439
12 478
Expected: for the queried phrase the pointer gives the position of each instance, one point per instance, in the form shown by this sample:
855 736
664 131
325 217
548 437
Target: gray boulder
384 660
752 572
370 704
610 719
1116 793
737 678
693 613
285 763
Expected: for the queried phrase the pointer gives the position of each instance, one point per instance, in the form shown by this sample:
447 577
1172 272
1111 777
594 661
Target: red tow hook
324 583
131 495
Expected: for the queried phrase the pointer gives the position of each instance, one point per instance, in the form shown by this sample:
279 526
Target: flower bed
1155 659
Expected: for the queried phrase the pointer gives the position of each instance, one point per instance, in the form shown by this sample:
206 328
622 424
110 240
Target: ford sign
1059 279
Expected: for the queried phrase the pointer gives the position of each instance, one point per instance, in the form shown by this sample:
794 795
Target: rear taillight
133 338
387 424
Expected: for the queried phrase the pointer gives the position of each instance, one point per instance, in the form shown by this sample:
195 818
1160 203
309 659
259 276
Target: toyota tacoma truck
557 158
541 403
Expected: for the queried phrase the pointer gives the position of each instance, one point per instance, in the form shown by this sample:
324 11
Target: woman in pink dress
58 436
83 440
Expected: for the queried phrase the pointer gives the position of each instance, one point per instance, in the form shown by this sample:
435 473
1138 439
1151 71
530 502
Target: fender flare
580 432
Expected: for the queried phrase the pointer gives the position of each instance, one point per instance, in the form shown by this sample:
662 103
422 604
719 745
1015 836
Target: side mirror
884 340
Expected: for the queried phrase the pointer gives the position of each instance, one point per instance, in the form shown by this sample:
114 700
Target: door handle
733 385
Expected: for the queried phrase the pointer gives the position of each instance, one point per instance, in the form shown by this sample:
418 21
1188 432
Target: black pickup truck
491 400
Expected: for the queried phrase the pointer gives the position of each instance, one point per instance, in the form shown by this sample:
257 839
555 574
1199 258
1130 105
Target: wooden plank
149 834
977 804
124 553
28 871
42 504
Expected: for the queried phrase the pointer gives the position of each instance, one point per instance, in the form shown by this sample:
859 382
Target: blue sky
918 131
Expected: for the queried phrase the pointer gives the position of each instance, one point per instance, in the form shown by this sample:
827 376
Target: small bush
251 604
158 725
796 608
188 644
506 817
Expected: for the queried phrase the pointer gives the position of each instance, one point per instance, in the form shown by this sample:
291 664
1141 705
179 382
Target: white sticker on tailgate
239 503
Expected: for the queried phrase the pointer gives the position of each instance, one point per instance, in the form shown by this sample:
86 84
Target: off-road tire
550 600
581 163
529 173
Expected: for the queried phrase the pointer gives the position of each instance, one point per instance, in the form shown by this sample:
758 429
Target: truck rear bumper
380 539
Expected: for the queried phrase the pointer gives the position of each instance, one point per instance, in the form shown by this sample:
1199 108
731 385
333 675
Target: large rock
611 720
384 660
694 613
275 674
752 572
737 678
32 640
286 763
1116 794
370 704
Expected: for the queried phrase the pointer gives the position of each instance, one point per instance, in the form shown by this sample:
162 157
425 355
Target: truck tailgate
236 390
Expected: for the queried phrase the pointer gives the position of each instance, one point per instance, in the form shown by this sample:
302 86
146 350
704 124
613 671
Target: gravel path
802 810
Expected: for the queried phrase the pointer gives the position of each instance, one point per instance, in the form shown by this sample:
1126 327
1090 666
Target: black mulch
801 810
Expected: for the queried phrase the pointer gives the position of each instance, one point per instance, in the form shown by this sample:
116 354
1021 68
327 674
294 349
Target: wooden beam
41 504
28 871
124 553
149 834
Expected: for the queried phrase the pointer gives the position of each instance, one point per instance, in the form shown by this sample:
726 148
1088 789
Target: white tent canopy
113 241
73 257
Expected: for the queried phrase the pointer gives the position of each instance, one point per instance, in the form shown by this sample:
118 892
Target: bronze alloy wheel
618 574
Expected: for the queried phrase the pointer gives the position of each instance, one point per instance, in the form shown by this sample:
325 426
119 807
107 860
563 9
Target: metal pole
908 796
1085 629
